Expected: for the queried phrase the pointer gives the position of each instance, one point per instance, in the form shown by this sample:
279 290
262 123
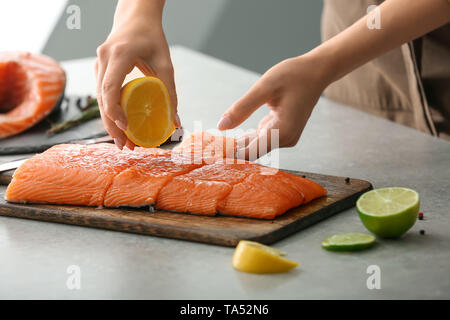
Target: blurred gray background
254 34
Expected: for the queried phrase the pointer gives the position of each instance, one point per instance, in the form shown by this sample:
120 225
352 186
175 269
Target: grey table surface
338 140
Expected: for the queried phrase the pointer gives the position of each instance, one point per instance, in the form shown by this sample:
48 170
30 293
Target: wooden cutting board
219 230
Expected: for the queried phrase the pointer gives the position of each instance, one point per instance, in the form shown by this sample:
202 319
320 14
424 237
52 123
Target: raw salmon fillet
69 174
30 87
102 175
139 185
200 190
262 195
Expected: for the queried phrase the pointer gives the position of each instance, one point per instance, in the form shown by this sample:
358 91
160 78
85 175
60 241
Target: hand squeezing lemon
147 106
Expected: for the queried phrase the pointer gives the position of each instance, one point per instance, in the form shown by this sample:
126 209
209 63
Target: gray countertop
338 140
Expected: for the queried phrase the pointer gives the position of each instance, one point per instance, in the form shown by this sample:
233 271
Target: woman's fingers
100 67
145 69
258 143
164 71
120 139
111 68
118 136
242 144
118 67
244 107
130 145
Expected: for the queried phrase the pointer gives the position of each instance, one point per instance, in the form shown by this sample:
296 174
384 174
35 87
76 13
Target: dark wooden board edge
85 219
309 220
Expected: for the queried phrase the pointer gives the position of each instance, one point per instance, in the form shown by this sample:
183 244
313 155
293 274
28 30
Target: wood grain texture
219 230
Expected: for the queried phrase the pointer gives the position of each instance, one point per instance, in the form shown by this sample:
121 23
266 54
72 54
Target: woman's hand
136 39
290 89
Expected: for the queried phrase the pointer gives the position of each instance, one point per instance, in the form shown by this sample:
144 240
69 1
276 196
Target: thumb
243 108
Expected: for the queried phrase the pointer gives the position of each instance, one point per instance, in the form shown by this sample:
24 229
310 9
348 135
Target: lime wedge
348 242
388 212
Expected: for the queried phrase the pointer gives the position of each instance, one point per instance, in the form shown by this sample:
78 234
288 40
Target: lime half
348 242
388 212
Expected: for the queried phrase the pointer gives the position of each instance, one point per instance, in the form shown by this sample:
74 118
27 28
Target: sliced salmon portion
310 189
200 190
30 87
68 174
140 184
262 195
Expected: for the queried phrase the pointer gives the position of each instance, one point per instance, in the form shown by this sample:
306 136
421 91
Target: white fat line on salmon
194 310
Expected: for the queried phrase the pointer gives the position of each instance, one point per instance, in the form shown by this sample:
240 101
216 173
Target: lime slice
388 212
254 257
348 242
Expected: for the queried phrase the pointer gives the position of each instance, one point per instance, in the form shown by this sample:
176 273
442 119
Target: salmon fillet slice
200 190
262 194
67 174
30 87
310 189
140 184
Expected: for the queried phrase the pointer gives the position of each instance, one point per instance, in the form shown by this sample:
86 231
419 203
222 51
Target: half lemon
147 106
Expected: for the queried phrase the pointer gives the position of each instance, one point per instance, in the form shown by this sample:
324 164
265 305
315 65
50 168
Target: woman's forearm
400 21
138 10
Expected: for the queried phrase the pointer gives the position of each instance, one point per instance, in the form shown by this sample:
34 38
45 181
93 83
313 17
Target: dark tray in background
36 140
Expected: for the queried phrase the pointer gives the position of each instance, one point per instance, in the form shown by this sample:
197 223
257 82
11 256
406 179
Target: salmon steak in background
30 87
103 175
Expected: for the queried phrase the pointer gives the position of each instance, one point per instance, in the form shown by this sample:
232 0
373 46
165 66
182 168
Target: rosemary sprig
91 111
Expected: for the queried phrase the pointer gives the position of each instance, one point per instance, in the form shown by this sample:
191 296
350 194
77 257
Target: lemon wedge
254 257
147 106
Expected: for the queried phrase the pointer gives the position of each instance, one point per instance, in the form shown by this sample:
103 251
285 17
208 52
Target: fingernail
224 123
177 121
130 145
121 125
118 143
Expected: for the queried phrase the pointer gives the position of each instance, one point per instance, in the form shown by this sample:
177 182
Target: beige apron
409 85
